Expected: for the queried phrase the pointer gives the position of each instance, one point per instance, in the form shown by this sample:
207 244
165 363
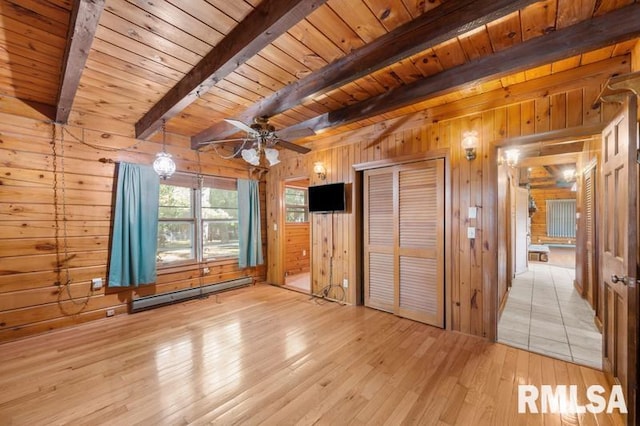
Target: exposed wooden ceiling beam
605 30
594 73
269 20
82 28
445 22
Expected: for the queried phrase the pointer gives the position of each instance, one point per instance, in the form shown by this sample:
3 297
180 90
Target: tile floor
545 314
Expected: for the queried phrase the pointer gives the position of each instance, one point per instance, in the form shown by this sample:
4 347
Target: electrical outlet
345 283
304 252
205 270
96 284
471 232
111 312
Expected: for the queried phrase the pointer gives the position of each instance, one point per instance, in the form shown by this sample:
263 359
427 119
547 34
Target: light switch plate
473 212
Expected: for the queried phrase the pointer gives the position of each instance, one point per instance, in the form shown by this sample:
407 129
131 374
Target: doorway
545 307
297 247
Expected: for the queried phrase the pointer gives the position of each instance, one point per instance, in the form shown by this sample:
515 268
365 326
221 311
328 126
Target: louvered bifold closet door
404 240
420 289
379 232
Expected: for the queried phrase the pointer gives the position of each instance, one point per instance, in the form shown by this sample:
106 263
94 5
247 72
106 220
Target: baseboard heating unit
150 302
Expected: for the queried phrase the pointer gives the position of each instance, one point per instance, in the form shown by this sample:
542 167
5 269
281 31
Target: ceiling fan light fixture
251 156
272 156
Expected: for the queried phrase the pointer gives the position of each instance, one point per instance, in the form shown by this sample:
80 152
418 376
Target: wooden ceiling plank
360 18
571 12
452 18
38 15
614 27
262 26
134 60
505 32
321 45
547 160
538 19
334 27
390 13
83 25
476 43
418 7
185 53
149 52
176 17
146 22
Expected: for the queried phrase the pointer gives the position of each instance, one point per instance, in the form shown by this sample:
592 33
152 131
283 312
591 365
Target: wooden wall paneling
527 121
591 114
444 137
514 120
297 248
543 118
574 108
464 252
29 294
558 109
476 199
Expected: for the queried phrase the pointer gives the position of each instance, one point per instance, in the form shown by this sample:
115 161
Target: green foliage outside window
296 205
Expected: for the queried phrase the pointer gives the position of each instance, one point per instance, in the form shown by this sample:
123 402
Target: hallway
545 314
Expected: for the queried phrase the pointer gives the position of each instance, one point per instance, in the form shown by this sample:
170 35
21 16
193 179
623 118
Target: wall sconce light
318 169
569 174
511 157
469 143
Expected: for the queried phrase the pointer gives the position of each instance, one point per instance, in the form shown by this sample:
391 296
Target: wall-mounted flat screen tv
327 198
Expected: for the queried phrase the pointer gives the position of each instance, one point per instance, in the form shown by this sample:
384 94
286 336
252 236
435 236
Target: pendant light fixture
163 164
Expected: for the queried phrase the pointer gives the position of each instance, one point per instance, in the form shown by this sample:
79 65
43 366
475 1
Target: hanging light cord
229 157
60 186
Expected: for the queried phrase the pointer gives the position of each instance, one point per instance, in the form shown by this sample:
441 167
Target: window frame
304 208
196 184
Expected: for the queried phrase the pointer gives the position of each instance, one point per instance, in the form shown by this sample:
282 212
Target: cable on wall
332 292
63 258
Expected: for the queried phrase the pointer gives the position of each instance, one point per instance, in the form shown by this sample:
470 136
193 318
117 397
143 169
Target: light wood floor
265 354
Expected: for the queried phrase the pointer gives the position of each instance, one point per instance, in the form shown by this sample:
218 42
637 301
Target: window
296 204
197 221
176 224
561 218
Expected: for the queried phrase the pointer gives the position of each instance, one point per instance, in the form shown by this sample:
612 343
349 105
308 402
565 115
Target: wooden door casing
618 250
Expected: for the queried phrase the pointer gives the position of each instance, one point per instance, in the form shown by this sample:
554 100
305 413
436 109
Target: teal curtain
135 227
249 229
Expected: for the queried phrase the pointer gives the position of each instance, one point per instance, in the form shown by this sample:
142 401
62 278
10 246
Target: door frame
492 224
443 153
279 279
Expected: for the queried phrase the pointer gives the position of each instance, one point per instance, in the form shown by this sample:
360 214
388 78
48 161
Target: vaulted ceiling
328 65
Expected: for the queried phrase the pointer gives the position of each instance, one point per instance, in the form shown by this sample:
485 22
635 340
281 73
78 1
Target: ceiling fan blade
240 125
292 146
298 133
236 140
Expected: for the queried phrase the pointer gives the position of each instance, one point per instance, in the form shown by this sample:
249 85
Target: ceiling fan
260 141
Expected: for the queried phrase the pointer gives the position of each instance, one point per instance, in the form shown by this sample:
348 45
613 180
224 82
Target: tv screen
327 198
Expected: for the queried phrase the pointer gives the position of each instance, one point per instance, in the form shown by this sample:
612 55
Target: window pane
296 216
220 238
295 196
175 202
220 222
175 241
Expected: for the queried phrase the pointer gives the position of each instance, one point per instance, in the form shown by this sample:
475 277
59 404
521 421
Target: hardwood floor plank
267 355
